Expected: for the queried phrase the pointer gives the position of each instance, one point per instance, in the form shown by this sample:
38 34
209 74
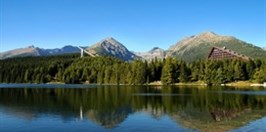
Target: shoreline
158 83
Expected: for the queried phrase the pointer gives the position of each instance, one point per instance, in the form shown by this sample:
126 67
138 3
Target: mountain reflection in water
109 106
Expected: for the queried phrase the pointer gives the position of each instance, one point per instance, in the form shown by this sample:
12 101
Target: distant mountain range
155 52
188 49
36 51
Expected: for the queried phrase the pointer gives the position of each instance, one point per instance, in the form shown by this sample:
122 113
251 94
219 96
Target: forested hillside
34 69
107 70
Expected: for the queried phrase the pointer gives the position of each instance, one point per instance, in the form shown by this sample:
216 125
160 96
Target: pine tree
167 72
184 72
260 74
107 74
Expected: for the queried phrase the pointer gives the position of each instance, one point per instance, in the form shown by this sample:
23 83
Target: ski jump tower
82 51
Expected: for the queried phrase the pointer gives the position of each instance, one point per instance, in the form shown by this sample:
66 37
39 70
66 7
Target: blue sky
138 24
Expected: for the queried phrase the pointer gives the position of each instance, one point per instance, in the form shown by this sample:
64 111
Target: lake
47 107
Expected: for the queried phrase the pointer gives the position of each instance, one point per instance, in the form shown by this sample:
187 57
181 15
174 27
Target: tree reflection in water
108 106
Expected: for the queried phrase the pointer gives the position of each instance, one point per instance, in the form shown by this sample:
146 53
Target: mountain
106 47
27 51
155 52
35 51
198 47
111 47
188 49
57 51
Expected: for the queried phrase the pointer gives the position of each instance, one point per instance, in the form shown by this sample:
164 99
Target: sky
138 24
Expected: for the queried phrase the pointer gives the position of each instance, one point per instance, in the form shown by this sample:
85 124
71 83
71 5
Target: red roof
225 53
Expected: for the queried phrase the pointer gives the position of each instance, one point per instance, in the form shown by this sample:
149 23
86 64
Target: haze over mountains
188 49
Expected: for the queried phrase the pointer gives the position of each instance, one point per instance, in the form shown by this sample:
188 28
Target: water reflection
109 106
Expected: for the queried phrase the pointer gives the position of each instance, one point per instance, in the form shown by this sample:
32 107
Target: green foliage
168 72
219 72
108 70
260 73
34 69
185 73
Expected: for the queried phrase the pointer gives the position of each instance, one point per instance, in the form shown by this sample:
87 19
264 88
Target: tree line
108 70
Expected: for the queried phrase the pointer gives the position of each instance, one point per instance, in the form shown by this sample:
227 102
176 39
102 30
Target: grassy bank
201 83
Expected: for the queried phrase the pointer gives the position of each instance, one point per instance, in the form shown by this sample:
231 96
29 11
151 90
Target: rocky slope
106 47
198 47
111 47
35 51
188 49
27 51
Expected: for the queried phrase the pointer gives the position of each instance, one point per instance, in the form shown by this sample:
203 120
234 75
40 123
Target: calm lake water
130 108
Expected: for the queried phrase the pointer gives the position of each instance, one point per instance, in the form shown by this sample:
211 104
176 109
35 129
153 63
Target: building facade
218 53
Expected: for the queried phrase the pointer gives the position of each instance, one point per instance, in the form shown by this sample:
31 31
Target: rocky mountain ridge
36 51
188 49
155 52
111 47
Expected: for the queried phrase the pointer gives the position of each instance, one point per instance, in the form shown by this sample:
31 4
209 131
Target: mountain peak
110 39
198 46
111 47
155 49
195 40
155 52
208 33
31 46
207 37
